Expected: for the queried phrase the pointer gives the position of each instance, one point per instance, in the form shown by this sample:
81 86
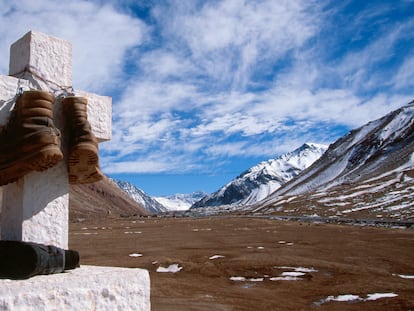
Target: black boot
22 260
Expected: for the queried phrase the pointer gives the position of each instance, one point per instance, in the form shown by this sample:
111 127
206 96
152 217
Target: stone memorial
49 139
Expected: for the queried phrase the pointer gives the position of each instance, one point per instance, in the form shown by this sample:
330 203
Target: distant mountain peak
262 179
176 202
367 173
141 197
311 145
179 201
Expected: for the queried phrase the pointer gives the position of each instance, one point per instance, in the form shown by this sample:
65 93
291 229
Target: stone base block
85 288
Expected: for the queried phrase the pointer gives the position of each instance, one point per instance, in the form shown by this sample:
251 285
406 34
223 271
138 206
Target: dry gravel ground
274 265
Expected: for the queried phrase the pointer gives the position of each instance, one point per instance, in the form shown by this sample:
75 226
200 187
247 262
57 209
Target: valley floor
235 263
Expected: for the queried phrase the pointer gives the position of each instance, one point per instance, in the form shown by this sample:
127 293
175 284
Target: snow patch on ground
292 273
135 255
216 257
343 298
405 276
296 269
174 268
286 243
354 298
296 275
376 296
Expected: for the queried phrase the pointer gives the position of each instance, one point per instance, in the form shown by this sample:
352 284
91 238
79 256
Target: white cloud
100 36
201 81
137 166
146 97
280 25
369 67
155 162
227 149
163 65
231 39
404 78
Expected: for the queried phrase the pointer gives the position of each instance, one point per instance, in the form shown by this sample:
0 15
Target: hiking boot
30 141
83 161
22 260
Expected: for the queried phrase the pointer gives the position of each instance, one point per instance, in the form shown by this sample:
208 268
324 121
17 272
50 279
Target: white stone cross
36 207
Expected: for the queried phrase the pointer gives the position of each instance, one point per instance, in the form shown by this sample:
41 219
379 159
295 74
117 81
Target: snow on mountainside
141 197
261 180
367 173
180 202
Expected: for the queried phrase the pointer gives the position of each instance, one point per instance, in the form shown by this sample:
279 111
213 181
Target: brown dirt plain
340 260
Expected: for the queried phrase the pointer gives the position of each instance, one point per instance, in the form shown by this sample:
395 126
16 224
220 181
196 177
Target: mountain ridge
265 177
139 196
366 173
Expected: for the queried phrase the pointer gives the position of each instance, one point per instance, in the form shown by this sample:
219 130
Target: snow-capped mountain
367 173
141 197
261 180
180 202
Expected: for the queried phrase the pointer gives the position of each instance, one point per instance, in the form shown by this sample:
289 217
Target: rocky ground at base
238 263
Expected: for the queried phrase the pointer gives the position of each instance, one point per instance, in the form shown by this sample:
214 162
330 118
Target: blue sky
203 90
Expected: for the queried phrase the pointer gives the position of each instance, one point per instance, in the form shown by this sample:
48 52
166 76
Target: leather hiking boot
22 260
83 161
30 141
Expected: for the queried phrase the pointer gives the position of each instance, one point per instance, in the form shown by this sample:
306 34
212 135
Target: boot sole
83 164
41 160
17 260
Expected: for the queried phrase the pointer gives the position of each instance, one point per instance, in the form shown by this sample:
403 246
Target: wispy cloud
197 83
101 36
233 77
404 77
229 41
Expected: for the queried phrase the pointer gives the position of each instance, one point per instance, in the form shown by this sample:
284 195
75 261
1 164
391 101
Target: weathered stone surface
85 288
99 114
44 60
40 61
36 208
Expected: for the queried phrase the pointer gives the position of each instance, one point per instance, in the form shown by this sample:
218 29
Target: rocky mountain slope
100 199
367 173
139 196
261 180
